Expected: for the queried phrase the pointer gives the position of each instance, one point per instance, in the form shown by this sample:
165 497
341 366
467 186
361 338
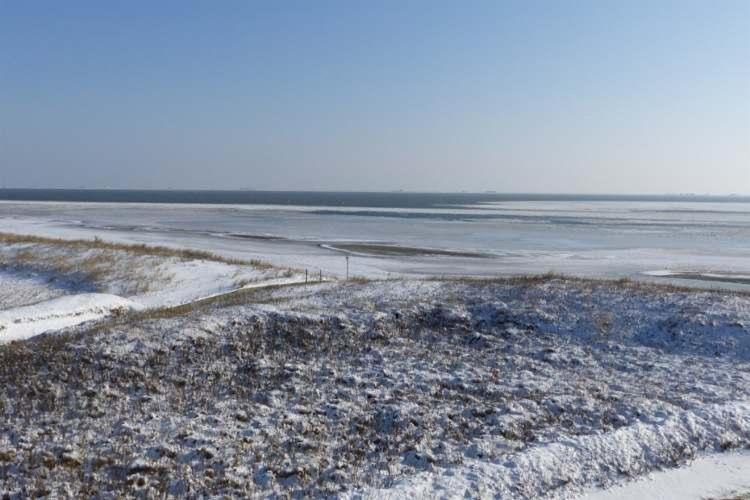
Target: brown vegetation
99 262
142 249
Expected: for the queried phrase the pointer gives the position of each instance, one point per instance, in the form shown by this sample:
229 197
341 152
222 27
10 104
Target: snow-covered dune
526 388
48 284
547 470
27 321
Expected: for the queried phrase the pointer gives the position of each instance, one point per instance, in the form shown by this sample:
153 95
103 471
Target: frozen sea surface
584 238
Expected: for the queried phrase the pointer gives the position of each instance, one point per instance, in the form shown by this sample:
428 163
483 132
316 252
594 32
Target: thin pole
347 268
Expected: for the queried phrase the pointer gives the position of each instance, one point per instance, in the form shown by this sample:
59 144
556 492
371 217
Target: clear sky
623 96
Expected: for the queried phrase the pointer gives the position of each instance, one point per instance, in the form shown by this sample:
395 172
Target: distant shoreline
397 199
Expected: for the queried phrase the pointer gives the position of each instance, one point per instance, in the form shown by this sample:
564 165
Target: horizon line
391 191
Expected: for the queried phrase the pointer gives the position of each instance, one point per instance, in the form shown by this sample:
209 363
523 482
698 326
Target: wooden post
305 275
321 275
347 268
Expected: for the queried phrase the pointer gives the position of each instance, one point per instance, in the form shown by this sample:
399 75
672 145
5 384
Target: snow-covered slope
49 285
24 288
529 388
582 460
27 321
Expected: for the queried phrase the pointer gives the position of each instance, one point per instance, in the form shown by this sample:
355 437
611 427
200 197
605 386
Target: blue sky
554 96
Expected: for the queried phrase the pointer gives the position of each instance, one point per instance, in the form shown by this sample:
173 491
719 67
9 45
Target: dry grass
97 261
551 277
95 267
262 295
142 249
359 279
525 279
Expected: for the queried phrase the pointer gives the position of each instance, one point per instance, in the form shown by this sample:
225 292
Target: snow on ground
720 475
587 459
516 389
23 288
524 388
55 314
69 284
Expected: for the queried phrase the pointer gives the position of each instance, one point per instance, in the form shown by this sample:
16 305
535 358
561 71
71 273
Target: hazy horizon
514 97
686 195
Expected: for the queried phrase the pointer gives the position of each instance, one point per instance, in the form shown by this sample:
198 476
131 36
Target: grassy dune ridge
138 249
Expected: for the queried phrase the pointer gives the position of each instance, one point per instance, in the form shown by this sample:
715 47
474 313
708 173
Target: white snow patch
659 273
24 322
717 475
22 289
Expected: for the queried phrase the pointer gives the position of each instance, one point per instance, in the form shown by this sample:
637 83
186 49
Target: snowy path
719 475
